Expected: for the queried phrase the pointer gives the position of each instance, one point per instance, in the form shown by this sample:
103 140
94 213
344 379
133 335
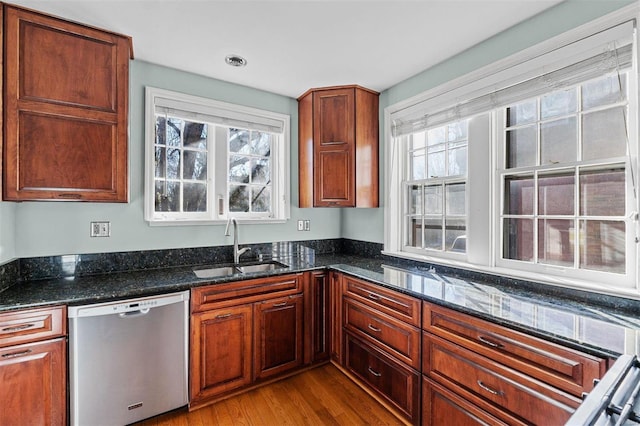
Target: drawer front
474 376
32 325
400 339
441 407
403 307
567 369
394 381
227 294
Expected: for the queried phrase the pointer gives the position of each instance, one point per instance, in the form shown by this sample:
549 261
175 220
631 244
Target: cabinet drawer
474 376
226 294
31 325
567 369
400 339
403 307
393 380
441 407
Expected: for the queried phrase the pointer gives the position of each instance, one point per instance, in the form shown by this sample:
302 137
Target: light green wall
7 232
54 228
367 224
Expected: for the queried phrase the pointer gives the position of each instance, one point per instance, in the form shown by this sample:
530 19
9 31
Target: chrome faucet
236 252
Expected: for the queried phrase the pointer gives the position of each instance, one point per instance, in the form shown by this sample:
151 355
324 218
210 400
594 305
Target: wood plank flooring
321 396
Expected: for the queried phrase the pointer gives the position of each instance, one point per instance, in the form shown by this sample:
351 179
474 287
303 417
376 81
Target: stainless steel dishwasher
128 359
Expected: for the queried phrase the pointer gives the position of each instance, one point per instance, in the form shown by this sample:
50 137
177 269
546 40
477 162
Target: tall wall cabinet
65 109
338 147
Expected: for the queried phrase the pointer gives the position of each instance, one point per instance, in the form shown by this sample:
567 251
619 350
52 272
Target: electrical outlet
307 225
100 229
300 225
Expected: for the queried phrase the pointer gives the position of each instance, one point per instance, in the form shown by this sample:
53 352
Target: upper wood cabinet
66 89
338 147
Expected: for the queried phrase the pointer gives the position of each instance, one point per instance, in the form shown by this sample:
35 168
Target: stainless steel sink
223 271
261 267
215 272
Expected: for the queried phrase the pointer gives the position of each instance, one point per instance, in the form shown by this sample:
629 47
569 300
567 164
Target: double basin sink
221 271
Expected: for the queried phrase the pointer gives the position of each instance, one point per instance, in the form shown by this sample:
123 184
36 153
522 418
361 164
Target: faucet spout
236 251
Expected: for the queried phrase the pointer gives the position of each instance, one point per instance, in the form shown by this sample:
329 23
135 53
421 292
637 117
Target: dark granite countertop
600 329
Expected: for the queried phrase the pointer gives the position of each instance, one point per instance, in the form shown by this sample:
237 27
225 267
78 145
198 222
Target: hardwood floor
321 396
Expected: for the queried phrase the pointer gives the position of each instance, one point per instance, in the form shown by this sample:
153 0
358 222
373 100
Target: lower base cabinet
394 381
33 383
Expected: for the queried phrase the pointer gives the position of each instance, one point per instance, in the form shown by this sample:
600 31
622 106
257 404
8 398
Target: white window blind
591 57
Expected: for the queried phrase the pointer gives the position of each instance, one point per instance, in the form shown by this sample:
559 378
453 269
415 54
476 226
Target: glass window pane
602 245
456 199
195 135
161 128
436 136
458 161
558 141
418 165
523 113
518 239
239 198
558 103
433 199
521 147
415 199
261 143
161 162
239 141
457 131
414 231
167 197
195 165
604 134
195 197
239 168
260 171
519 195
433 233
174 131
602 193
556 242
418 140
556 194
261 199
455 234
436 164
603 91
173 163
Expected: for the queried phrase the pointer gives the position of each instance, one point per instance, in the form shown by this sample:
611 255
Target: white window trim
280 185
466 87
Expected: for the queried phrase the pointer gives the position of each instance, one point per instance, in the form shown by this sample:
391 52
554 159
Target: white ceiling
294 45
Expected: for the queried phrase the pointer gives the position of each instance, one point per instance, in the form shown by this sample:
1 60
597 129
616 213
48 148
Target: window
208 161
435 187
526 168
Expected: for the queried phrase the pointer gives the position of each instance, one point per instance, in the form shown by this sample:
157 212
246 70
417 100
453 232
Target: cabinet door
278 331
335 309
65 110
320 316
334 147
33 378
220 351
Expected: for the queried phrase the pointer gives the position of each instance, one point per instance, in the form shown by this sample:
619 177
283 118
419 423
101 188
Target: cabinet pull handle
277 305
67 195
371 327
16 354
374 296
488 389
375 373
222 316
489 342
18 327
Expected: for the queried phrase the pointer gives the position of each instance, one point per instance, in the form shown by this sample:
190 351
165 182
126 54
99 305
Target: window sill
185 222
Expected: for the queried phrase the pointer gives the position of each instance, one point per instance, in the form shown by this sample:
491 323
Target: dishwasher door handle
134 314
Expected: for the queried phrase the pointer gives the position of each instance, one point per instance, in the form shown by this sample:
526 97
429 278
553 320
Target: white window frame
217 169
483 244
